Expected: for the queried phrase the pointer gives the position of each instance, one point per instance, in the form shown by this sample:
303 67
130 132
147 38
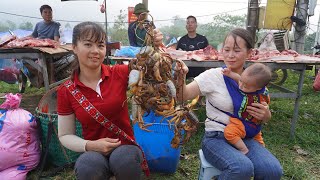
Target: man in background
192 41
136 30
47 29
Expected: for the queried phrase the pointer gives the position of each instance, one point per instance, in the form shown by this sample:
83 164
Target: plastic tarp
127 51
18 32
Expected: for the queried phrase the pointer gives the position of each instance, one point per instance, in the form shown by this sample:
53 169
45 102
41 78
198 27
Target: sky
162 11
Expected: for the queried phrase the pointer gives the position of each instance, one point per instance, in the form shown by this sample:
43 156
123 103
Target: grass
299 156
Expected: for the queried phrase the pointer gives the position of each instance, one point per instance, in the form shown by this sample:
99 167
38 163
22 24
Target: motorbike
317 48
279 76
12 71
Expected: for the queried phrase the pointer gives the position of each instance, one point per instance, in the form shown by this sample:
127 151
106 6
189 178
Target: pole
107 60
145 2
253 17
316 40
106 19
300 29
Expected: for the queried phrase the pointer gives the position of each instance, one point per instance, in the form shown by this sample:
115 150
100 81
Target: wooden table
31 54
300 67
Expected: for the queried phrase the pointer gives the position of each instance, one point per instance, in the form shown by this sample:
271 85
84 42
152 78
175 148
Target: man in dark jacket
138 34
192 41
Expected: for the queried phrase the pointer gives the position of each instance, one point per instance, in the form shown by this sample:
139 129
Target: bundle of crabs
153 83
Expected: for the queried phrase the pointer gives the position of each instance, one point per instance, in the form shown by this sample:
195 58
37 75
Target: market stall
41 54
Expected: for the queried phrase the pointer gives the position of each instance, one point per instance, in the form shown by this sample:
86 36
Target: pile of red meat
208 53
13 42
264 55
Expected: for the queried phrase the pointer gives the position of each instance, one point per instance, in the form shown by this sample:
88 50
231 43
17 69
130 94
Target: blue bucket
161 157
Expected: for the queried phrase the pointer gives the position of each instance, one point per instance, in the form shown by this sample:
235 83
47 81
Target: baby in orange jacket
252 84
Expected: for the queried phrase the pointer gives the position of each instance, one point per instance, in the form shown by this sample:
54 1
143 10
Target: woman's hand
260 111
181 67
104 145
181 70
158 36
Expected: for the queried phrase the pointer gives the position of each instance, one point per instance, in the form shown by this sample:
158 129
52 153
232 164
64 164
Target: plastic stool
206 171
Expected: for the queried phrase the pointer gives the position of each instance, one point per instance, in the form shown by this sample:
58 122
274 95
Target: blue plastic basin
161 157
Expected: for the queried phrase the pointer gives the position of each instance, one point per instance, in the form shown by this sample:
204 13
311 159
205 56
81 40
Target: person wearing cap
138 34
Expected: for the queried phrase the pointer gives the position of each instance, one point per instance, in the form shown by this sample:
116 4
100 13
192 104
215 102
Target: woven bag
52 150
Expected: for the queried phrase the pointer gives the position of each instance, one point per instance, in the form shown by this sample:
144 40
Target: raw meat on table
4 40
31 42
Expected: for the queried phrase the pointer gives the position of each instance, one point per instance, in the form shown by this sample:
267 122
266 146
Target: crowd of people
232 141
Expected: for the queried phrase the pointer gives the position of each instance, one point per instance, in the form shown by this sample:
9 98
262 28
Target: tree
178 29
119 31
309 43
3 27
26 26
220 26
67 26
11 25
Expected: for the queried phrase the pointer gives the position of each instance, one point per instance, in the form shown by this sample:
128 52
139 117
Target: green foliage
4 27
309 43
9 25
13 88
178 28
120 21
26 26
67 26
119 32
220 26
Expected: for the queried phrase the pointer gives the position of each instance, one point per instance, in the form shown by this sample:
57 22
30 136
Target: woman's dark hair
86 31
242 33
43 7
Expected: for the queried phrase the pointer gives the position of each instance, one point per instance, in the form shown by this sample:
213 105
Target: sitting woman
258 162
95 95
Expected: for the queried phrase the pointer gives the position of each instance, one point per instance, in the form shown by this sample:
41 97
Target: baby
252 84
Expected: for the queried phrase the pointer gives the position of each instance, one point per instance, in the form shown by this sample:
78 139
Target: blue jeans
258 162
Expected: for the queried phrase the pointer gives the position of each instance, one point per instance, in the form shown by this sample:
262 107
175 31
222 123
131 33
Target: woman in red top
105 155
